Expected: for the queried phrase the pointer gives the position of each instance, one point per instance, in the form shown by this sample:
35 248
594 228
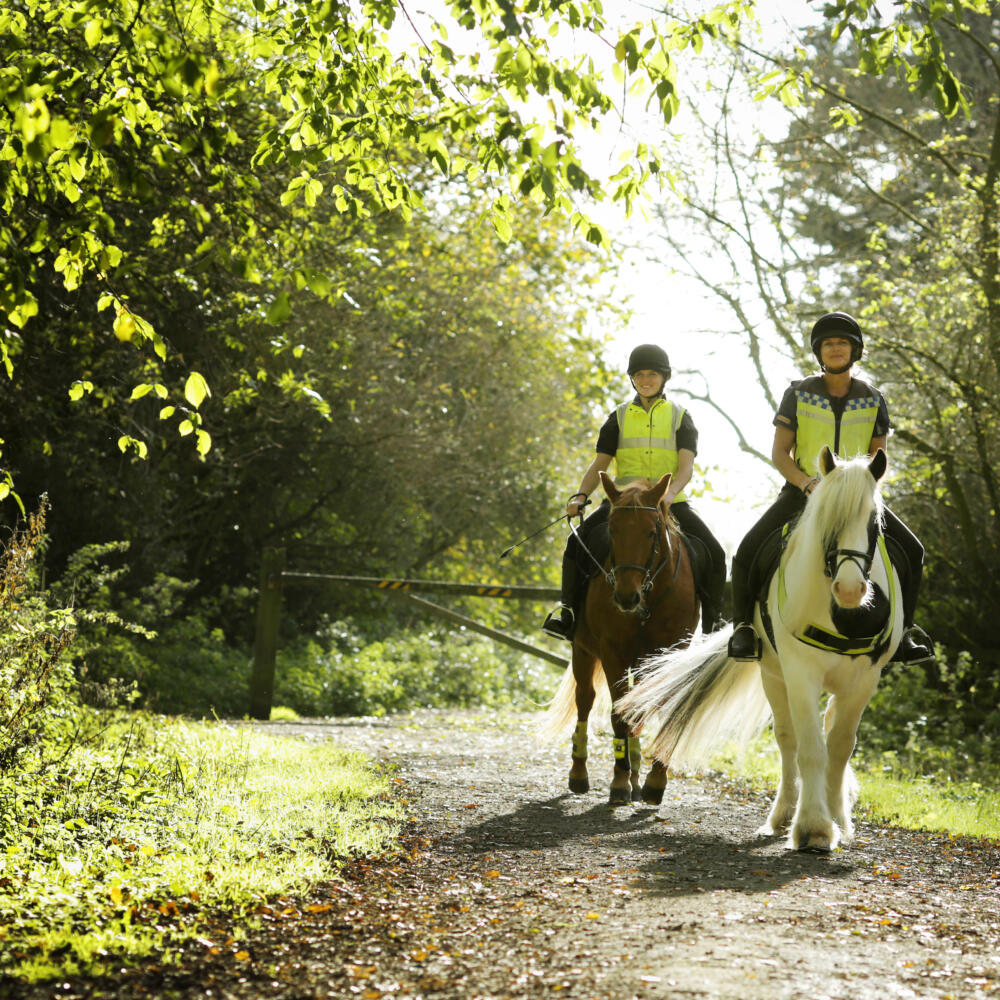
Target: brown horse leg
621 781
656 782
635 763
584 665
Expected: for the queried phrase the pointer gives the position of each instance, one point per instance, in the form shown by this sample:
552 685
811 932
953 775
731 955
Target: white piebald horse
831 621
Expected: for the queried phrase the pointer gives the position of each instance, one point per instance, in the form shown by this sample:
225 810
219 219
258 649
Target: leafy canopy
98 98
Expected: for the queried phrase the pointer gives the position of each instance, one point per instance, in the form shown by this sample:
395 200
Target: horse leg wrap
621 754
580 741
634 754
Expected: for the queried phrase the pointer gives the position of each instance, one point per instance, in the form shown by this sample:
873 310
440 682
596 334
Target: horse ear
609 486
878 464
655 492
827 463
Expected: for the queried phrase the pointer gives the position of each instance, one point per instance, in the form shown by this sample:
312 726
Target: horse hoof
579 786
652 796
636 795
620 797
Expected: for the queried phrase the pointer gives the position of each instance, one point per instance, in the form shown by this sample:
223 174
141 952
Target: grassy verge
126 845
892 792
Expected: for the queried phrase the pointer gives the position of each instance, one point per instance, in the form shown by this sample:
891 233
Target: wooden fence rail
273 576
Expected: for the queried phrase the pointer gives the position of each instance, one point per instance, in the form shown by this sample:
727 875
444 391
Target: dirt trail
514 888
525 890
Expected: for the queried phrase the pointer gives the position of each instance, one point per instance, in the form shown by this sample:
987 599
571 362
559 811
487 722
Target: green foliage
105 106
143 643
145 826
36 683
939 722
402 672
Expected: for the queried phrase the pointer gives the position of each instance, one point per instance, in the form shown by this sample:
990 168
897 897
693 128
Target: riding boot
744 644
915 645
561 623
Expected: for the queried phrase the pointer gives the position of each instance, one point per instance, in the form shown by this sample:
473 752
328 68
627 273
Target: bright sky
696 331
674 311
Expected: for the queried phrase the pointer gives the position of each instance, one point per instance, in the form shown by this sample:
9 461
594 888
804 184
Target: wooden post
265 646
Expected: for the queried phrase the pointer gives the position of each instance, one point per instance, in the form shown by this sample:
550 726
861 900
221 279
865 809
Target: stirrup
559 623
914 647
744 646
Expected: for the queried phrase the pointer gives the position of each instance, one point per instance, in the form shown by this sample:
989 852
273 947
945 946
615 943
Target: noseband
835 558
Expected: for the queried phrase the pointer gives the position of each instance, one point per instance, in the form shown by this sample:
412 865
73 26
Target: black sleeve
882 421
607 438
788 410
687 434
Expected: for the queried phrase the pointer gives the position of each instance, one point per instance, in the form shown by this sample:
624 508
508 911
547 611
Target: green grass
126 847
893 793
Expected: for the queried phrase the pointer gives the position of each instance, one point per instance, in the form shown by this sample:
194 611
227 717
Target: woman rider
646 437
852 417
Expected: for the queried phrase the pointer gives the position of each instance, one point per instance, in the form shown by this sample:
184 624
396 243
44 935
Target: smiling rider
851 417
646 437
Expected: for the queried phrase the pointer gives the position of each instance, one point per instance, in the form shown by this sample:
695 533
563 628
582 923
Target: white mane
846 496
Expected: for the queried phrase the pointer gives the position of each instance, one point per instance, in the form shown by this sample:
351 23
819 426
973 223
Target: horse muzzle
851 593
629 600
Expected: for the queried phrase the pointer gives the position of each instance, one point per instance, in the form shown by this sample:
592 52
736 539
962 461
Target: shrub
939 721
36 683
428 669
146 642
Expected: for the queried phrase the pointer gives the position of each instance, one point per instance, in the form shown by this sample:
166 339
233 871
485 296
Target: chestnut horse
643 600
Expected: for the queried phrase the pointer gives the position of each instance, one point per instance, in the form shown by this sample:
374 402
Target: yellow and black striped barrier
273 576
431 586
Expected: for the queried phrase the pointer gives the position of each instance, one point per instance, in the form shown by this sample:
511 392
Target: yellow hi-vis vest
818 427
647 442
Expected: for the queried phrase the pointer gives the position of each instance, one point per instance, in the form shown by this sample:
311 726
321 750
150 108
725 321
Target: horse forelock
633 495
845 495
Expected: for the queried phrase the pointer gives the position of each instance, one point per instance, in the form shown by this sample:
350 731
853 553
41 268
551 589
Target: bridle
652 568
835 558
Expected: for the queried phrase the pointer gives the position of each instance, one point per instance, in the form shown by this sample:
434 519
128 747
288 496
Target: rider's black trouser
787 506
691 524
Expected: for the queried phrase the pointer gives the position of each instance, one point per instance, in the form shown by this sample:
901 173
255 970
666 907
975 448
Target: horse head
848 512
640 542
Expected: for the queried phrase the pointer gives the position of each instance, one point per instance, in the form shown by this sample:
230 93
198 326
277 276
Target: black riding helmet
837 324
649 357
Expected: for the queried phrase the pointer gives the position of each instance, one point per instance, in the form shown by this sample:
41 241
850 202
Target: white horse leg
783 806
812 827
841 724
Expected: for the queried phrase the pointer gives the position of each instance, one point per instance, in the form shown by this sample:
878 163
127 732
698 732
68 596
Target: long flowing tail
561 710
700 698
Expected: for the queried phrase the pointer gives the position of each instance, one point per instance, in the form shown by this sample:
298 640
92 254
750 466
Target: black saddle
598 541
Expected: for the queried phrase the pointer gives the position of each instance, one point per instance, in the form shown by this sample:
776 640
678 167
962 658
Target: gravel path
522 889
511 887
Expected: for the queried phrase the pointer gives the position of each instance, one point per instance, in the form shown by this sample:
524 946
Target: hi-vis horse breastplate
861 632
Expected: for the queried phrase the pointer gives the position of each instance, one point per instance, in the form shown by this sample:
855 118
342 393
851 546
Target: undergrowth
122 832
125 844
